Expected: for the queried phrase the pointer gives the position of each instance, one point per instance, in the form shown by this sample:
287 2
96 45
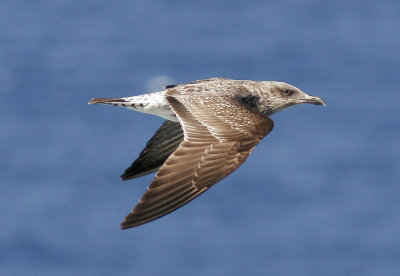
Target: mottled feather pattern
205 157
214 126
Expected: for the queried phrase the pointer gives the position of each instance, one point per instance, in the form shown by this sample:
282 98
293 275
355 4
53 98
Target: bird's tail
111 101
137 103
154 103
151 99
134 102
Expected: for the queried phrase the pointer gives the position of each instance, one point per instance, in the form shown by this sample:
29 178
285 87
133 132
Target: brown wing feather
213 147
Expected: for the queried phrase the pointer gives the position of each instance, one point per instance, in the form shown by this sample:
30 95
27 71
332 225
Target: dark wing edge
164 142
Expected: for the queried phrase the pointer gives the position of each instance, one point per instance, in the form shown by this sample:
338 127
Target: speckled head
276 96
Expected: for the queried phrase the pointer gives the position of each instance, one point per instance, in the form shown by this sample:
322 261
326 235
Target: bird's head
280 95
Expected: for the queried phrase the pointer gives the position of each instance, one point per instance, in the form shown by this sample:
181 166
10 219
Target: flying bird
211 127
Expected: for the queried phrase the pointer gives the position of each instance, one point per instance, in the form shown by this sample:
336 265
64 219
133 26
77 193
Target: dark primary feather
164 142
215 143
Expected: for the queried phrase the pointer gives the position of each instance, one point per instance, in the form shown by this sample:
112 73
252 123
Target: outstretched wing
164 142
219 134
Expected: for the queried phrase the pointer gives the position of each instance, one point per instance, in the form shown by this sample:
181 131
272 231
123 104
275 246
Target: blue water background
319 196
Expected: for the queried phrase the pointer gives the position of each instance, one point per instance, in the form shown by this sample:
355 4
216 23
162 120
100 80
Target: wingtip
124 227
126 224
124 177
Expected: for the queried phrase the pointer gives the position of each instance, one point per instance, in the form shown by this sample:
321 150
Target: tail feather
107 101
153 103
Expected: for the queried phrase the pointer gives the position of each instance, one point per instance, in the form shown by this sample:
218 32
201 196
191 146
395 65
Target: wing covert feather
214 145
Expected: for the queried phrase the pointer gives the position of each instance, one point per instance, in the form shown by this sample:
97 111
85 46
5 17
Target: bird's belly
154 103
163 111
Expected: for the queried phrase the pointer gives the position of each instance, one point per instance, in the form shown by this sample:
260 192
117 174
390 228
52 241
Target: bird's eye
287 92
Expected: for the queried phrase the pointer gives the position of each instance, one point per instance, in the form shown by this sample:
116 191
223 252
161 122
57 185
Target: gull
211 127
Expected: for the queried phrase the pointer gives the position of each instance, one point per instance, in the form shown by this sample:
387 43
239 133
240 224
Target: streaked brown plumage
212 126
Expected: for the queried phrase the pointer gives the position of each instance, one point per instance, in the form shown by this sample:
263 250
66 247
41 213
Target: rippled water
319 196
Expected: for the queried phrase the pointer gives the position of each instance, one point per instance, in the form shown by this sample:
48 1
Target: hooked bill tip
321 102
313 100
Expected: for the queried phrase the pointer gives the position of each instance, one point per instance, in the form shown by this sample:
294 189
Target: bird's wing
164 142
216 141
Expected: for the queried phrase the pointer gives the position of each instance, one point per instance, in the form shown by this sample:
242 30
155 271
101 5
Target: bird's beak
313 100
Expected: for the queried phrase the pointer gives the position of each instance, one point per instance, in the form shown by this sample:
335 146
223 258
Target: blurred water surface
319 196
